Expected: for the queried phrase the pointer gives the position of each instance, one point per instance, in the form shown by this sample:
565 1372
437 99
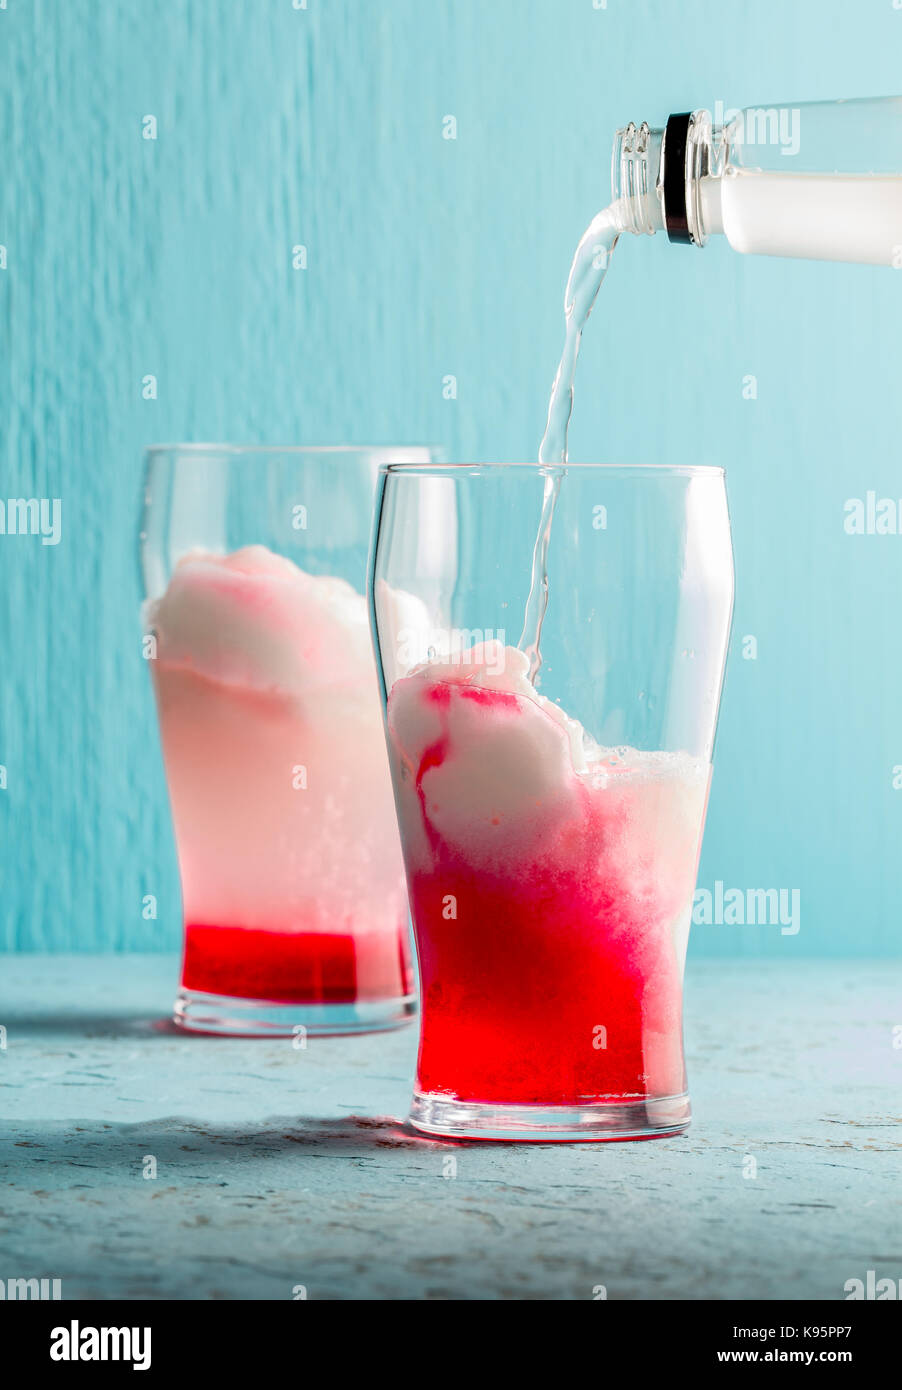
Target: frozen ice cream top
253 618
559 743
491 761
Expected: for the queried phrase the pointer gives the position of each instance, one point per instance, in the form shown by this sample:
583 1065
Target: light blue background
429 257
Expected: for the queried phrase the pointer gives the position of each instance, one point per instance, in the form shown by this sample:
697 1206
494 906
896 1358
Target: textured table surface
278 1167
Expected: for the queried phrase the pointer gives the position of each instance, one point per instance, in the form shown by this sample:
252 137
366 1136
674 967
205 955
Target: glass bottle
820 180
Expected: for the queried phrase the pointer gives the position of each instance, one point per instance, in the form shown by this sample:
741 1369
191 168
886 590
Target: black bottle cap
676 137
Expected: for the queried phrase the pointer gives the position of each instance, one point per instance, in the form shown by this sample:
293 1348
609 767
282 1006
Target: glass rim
206 447
674 470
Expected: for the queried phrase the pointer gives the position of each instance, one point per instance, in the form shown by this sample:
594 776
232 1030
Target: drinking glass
552 642
257 634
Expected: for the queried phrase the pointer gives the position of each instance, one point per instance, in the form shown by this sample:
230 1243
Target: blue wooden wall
279 124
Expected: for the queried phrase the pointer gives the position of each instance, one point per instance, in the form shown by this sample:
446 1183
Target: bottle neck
635 168
668 180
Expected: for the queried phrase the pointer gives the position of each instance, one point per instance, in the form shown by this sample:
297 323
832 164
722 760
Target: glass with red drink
258 641
551 700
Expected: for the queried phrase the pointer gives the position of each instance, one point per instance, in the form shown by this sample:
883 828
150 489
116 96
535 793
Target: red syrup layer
294 967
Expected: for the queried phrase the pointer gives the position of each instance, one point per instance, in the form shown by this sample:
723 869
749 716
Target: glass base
599 1121
227 1016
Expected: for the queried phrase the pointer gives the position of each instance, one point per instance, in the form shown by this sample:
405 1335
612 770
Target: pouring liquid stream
589 268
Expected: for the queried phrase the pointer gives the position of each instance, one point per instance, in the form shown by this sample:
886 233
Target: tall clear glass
552 643
257 635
